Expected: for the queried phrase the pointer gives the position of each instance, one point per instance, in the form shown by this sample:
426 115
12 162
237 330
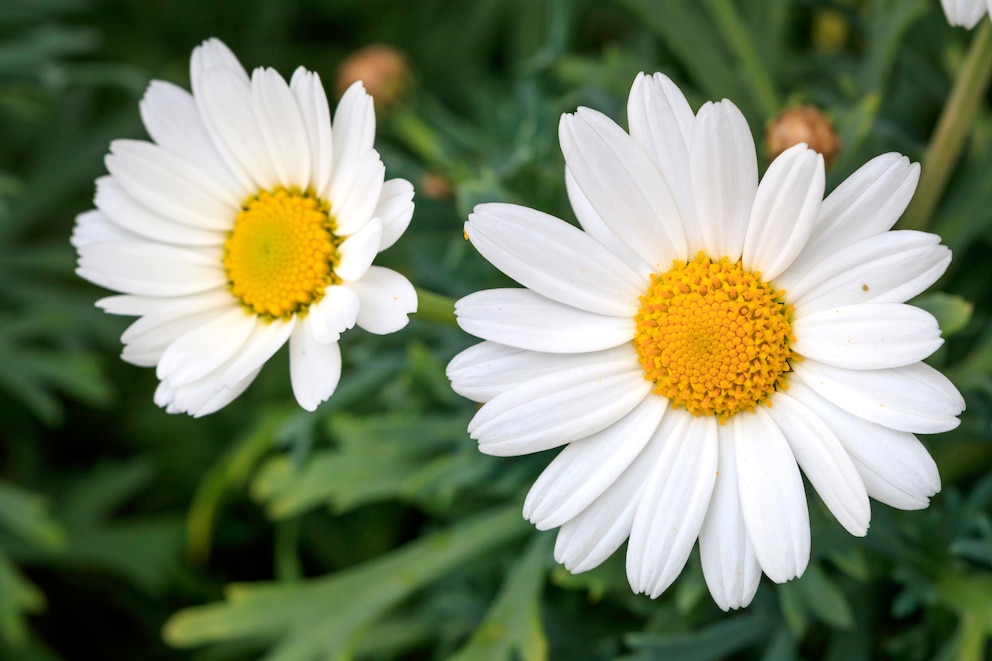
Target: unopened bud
382 69
435 186
802 124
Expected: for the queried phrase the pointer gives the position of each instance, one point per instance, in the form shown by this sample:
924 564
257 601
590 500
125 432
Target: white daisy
966 13
247 222
704 338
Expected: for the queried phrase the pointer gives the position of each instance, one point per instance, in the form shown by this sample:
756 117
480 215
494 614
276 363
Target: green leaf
513 623
26 514
824 599
716 641
18 598
390 456
229 472
952 312
324 618
144 550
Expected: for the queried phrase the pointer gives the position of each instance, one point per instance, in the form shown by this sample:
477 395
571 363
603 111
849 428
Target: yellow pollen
714 337
281 254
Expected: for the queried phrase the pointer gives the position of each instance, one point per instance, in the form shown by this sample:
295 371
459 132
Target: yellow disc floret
281 254
714 337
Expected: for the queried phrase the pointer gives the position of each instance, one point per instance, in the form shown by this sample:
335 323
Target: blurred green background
374 529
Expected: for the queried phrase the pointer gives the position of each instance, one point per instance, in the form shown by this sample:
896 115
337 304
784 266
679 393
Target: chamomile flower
702 339
248 221
966 13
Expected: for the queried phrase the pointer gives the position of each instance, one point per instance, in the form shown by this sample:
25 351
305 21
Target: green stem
436 308
733 30
952 128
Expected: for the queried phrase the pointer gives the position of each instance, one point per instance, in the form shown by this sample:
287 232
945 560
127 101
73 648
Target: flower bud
382 69
802 124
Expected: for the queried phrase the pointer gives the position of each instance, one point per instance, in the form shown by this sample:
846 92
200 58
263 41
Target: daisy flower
700 340
966 13
248 221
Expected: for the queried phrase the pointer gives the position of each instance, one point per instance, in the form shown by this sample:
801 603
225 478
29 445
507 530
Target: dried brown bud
382 69
435 186
802 124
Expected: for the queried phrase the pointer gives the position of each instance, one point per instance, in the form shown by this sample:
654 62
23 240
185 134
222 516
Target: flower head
700 340
248 221
966 13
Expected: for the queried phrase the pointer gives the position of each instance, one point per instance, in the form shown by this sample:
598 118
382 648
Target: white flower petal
593 225
312 102
266 338
599 530
135 267
772 497
124 210
358 251
224 396
895 467
173 121
731 571
887 268
867 203
168 184
281 126
521 318
203 350
785 208
226 102
487 369
867 336
824 461
354 131
395 209
558 408
147 339
355 194
554 259
673 506
209 55
94 227
661 123
158 311
587 467
386 298
724 171
623 186
964 13
314 368
914 398
333 314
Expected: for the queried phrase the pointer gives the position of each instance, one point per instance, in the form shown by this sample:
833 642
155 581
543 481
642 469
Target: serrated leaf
513 624
323 618
716 641
824 599
18 598
377 458
26 515
951 311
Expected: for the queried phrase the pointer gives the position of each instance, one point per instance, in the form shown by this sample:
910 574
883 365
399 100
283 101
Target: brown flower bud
802 124
382 69
435 186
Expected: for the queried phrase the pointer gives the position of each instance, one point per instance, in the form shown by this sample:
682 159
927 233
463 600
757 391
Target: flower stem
952 127
436 308
739 39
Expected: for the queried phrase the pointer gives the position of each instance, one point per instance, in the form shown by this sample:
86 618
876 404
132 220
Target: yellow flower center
713 337
281 254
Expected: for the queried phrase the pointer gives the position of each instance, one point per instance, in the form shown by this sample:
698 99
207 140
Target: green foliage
374 528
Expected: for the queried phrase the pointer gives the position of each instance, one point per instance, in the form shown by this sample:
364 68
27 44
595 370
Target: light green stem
737 36
952 128
435 307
